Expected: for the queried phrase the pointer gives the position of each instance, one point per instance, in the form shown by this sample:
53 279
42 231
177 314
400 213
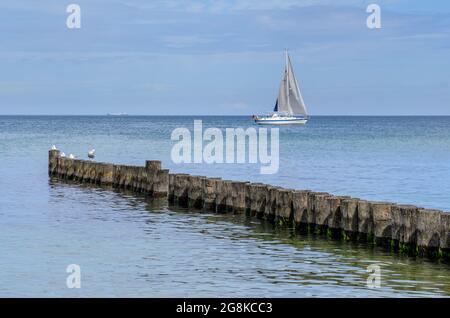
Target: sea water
134 246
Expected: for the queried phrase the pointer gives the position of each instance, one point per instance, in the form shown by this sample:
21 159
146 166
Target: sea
126 245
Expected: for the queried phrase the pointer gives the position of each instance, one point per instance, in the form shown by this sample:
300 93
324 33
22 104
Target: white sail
290 100
282 101
295 97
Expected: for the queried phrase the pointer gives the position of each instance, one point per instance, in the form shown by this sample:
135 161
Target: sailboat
289 107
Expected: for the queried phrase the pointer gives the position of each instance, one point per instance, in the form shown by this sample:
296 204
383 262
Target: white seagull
71 156
53 147
63 155
91 154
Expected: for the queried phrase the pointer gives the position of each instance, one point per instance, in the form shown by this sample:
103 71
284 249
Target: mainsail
290 99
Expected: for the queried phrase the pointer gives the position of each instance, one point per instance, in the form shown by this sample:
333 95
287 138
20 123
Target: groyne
403 228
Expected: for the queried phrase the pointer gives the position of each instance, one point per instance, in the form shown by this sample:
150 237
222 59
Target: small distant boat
117 114
289 107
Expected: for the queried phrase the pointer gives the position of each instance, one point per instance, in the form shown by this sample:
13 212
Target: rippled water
132 246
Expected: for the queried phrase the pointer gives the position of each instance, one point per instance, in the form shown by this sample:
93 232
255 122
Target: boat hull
281 121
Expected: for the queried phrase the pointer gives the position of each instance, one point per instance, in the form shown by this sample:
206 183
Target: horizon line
161 115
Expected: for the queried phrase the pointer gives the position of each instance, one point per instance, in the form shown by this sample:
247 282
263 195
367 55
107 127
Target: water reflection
143 247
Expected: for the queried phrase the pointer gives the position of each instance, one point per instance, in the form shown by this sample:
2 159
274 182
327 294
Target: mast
287 81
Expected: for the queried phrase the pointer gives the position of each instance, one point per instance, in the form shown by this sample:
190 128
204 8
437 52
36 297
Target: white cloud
180 41
276 24
220 6
157 21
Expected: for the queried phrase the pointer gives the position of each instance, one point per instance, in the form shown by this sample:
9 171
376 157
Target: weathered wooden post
300 207
195 191
257 197
444 234
161 187
319 209
53 156
238 194
153 165
365 220
271 203
181 189
382 221
107 176
171 194
335 220
404 221
209 193
284 206
157 181
349 209
221 196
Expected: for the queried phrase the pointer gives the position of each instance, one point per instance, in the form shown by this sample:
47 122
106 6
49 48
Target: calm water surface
132 246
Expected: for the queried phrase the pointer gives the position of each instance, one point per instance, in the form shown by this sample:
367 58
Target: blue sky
223 57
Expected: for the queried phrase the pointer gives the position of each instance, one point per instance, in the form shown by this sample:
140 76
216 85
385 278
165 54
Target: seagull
53 147
91 154
63 155
71 156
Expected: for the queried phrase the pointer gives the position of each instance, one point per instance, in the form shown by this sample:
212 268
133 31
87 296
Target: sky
223 57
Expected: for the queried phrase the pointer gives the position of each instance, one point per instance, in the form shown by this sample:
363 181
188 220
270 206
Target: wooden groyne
403 228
